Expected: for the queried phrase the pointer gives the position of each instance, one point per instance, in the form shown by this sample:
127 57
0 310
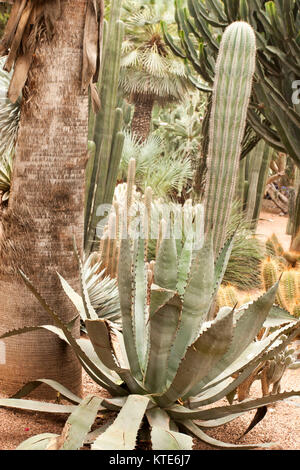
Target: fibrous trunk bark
46 208
141 120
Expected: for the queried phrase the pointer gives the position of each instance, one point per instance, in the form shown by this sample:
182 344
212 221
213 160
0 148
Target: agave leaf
114 404
215 423
165 273
93 435
122 434
164 439
222 261
184 266
30 386
157 417
87 346
89 310
159 298
245 331
180 413
84 359
211 345
259 351
163 327
196 431
28 329
32 405
74 297
100 335
125 283
78 425
39 442
277 317
196 304
140 302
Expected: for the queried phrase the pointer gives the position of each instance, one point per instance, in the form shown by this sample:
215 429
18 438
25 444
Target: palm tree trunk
141 120
46 208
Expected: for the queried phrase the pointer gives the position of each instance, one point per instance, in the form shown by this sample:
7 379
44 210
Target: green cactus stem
232 89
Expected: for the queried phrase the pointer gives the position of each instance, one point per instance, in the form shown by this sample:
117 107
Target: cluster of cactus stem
143 215
252 180
227 296
276 25
105 128
288 294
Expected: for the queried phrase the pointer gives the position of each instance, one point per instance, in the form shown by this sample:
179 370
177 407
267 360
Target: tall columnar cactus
259 162
106 128
275 92
231 94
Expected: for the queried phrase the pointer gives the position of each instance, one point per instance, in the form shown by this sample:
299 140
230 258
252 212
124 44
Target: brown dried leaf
90 44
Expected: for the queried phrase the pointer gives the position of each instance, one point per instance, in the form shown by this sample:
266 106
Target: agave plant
169 362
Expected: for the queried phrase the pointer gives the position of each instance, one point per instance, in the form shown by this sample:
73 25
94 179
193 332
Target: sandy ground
281 425
273 223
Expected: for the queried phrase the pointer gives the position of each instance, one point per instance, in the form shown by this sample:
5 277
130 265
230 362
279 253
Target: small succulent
169 362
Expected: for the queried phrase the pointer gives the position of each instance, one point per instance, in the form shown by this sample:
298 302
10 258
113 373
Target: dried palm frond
29 22
102 290
155 167
9 114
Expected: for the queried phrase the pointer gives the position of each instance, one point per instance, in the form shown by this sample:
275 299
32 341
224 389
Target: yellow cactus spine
227 297
270 275
288 288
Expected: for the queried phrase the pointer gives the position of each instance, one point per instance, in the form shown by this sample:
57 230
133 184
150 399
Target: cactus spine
106 128
227 297
232 89
288 288
270 275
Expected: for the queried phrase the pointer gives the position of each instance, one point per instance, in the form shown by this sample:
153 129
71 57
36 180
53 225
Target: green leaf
79 424
125 283
201 357
32 405
163 439
39 442
246 330
196 305
100 335
122 434
181 413
191 427
74 297
84 359
163 327
165 274
139 303
159 297
30 386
